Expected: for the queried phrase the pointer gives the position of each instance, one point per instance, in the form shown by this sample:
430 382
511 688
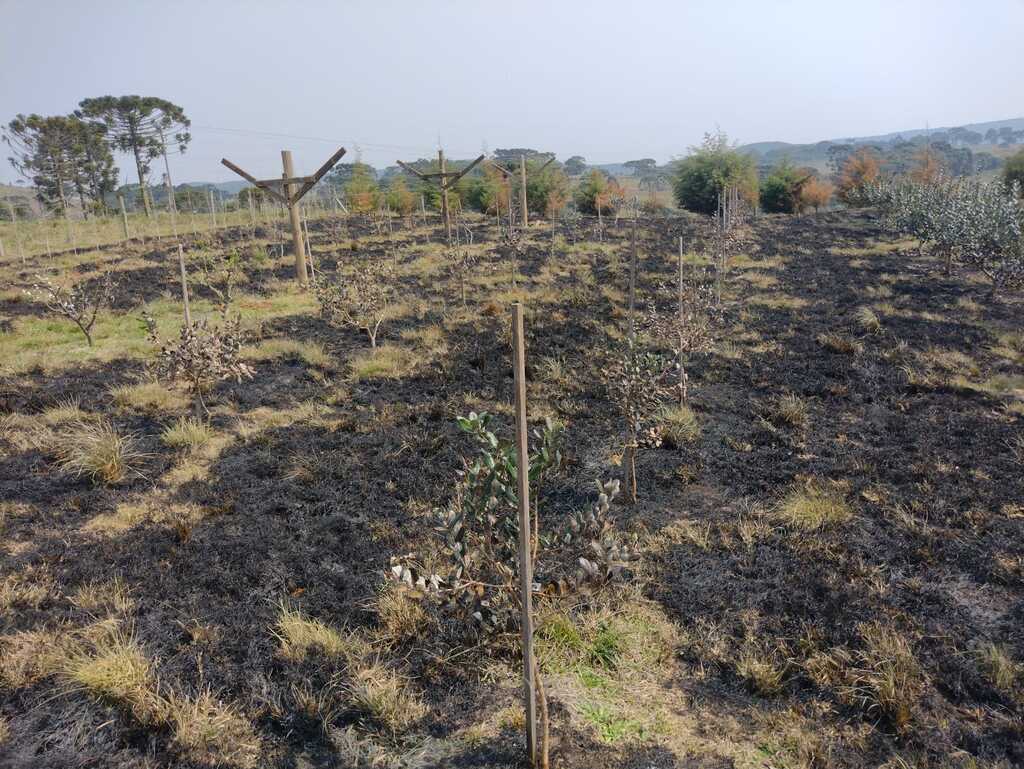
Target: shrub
361 190
599 194
547 190
816 194
479 529
1013 172
399 197
634 381
98 450
203 355
703 175
859 170
780 192
360 302
80 303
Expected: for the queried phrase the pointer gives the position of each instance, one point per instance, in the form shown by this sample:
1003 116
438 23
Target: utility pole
445 180
292 189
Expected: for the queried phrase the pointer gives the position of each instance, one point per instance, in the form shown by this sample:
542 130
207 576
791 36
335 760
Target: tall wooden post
293 216
525 217
3 254
213 211
525 560
184 285
445 210
124 215
632 279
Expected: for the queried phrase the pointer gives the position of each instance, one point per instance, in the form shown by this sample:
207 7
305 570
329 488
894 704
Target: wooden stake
445 209
124 216
293 215
525 563
525 217
3 254
682 371
632 279
213 211
184 285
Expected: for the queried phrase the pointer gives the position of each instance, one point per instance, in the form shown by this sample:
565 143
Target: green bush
709 169
780 192
598 190
1014 172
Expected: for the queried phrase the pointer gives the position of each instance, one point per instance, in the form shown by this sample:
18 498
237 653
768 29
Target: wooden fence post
293 216
522 191
632 279
525 560
184 285
213 211
124 216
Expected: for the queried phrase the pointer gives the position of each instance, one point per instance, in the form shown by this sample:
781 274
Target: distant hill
991 141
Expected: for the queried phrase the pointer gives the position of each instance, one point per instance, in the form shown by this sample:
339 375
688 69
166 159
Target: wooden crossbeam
292 180
312 180
254 181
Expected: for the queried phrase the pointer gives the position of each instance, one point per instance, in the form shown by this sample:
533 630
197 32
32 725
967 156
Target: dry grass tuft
300 635
401 616
68 410
868 321
386 698
811 506
98 450
761 672
789 410
886 678
840 344
188 433
997 666
679 425
210 733
384 362
148 398
116 670
111 596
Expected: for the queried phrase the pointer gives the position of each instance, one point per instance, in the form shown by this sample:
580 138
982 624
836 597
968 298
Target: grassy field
831 542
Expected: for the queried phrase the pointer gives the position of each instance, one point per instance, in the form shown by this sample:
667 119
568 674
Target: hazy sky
607 80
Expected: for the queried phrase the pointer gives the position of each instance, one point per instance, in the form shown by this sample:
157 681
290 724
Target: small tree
634 379
361 190
218 273
928 167
780 192
80 304
461 262
360 302
202 356
478 591
710 168
859 170
399 197
1013 172
598 194
816 194
690 328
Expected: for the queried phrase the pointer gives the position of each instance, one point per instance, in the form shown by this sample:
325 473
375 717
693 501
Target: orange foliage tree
928 168
815 194
860 168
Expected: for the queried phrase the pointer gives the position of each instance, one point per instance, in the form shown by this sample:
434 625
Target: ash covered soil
743 639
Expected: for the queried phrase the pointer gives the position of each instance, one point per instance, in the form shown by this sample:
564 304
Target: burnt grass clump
839 588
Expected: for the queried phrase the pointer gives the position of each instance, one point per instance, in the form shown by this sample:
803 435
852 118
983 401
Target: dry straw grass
99 451
812 506
188 433
300 636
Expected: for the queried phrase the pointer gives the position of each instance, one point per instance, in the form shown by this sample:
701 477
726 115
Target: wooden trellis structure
445 180
287 189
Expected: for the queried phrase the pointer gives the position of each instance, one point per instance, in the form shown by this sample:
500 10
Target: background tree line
70 158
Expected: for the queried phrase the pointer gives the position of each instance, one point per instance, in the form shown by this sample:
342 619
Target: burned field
829 536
